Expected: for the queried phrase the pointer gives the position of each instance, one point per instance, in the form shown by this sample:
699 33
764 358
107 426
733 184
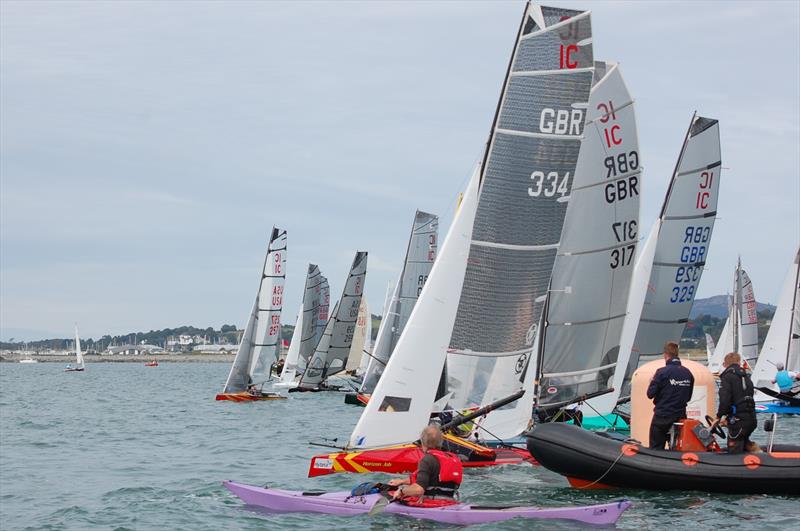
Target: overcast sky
146 149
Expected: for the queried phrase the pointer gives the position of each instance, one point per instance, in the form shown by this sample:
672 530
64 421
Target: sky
147 148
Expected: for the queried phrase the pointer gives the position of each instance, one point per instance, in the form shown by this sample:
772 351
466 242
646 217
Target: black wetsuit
428 478
736 402
671 389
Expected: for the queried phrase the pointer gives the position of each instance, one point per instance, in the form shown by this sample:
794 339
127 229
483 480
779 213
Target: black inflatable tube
578 453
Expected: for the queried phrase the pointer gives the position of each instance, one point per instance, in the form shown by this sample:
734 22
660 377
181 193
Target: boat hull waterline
344 504
247 397
587 458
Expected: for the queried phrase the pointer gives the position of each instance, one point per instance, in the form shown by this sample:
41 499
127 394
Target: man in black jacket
670 389
737 409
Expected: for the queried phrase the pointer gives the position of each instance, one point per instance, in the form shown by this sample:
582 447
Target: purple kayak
344 504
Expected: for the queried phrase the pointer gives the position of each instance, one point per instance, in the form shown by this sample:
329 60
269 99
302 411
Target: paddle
384 501
380 506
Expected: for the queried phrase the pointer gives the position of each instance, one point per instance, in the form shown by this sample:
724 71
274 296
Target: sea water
124 446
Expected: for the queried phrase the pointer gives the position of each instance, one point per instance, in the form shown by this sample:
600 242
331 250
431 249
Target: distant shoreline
120 358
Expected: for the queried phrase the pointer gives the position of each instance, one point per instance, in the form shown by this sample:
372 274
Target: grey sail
587 302
526 177
258 349
324 298
311 310
683 235
420 255
330 356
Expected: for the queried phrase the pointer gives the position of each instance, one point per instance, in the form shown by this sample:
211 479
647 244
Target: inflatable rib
596 460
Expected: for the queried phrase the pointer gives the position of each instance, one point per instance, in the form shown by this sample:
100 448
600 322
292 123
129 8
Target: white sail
605 404
586 305
78 353
420 255
710 344
356 355
330 356
748 322
401 403
361 370
293 355
740 333
782 344
725 343
258 349
682 240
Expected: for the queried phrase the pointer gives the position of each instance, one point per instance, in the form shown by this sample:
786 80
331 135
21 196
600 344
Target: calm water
123 446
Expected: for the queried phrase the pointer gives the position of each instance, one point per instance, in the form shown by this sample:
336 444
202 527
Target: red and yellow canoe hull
247 397
404 458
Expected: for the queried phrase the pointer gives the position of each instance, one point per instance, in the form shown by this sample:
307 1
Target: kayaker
737 408
785 380
438 473
670 389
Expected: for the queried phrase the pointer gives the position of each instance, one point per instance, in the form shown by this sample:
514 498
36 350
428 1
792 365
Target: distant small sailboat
258 350
78 355
740 333
316 300
331 353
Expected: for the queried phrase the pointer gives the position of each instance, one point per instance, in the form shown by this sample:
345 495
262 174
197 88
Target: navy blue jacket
671 389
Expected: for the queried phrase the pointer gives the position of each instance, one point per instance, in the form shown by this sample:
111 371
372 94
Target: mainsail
356 355
303 338
483 299
330 355
669 269
587 302
782 344
258 349
525 187
420 255
78 353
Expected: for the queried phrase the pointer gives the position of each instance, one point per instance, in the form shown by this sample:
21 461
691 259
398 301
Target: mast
737 304
793 309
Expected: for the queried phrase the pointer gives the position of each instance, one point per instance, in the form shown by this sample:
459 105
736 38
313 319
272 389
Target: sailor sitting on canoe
670 389
438 473
737 408
785 380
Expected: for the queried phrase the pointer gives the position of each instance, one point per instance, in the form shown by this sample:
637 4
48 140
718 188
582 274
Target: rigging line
612 424
604 473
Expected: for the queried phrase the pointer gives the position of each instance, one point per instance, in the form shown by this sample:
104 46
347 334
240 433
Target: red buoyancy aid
450 468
